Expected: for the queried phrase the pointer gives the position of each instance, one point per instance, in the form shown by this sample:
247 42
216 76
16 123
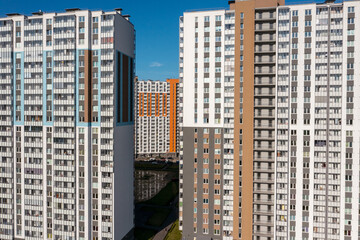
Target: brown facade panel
243 221
87 86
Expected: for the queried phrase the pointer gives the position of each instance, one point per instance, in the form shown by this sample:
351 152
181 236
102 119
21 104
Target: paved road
162 234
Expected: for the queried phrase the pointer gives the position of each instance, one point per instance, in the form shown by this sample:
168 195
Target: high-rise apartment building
156 117
227 115
268 140
317 141
66 167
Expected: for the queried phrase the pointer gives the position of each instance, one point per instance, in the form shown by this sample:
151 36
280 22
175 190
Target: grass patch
174 232
166 195
159 216
144 234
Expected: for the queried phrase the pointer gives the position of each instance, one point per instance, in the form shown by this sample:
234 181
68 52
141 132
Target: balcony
262 50
263 39
264 116
263 180
263 222
264 169
264 126
264 72
265 28
262 233
265 16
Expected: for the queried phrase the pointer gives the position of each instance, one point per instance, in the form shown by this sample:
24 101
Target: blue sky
156 24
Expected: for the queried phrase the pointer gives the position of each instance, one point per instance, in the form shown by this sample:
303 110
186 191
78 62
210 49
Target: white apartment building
269 145
66 128
317 142
227 105
206 123
156 117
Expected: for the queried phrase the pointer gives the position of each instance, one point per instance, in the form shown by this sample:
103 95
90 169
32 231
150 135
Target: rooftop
69 11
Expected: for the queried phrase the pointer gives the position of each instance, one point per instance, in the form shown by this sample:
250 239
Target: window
207 19
308 12
218 18
351 32
95 19
48 21
351 9
82 19
295 13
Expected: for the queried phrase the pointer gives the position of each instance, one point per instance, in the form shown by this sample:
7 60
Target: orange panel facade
159 100
173 113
